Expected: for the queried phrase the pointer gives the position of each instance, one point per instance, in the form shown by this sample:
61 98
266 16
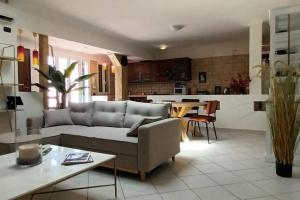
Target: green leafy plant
283 111
58 80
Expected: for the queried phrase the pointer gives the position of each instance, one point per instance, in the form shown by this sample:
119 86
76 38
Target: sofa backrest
136 111
109 113
81 113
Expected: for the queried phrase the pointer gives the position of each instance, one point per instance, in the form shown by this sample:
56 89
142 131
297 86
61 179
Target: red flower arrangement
241 84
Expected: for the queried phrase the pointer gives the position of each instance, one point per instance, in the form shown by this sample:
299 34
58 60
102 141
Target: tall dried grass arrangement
283 112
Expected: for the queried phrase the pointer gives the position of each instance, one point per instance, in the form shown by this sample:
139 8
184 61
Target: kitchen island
236 111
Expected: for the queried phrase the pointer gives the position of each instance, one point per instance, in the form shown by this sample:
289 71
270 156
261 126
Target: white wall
255 42
236 111
204 50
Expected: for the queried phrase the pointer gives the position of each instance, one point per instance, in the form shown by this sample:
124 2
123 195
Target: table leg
183 127
183 130
87 187
115 178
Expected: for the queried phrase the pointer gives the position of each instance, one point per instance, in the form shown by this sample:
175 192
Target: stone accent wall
219 71
151 88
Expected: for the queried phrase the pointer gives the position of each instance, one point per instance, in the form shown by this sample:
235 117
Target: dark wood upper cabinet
178 69
24 73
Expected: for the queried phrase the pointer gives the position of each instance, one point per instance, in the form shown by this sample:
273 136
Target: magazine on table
77 158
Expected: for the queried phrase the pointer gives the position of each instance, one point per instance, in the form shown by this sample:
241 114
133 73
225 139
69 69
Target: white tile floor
232 168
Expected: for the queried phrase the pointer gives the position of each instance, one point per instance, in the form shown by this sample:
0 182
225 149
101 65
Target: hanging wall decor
20 48
35 53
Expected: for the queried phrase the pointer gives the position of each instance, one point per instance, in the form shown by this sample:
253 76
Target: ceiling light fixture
104 66
178 27
163 47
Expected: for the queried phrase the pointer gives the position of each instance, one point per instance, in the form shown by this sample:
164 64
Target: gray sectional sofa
103 127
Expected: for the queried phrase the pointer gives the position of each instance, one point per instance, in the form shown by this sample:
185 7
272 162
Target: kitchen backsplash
219 71
151 88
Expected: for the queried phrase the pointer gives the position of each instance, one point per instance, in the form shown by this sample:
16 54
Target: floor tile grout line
246 181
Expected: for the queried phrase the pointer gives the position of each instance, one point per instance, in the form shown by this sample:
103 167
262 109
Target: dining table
179 110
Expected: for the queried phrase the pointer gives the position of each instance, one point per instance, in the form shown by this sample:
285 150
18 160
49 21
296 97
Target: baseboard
229 130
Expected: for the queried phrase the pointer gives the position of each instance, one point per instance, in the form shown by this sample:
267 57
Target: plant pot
284 170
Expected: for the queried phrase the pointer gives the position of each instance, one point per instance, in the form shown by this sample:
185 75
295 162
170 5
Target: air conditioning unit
4 1
4 18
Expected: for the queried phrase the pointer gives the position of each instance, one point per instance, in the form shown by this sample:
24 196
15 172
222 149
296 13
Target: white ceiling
27 36
75 46
149 21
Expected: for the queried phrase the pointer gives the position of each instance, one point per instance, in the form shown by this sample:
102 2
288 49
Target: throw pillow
57 117
81 113
133 131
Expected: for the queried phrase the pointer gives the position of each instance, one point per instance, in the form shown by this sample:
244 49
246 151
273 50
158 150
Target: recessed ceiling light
178 27
163 47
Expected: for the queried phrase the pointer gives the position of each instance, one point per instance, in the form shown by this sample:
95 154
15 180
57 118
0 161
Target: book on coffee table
77 158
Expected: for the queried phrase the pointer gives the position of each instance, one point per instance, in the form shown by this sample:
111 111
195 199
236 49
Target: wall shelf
10 110
7 58
9 84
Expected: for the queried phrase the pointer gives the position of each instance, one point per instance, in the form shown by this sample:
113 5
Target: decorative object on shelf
226 90
35 53
202 77
58 80
13 102
240 85
28 153
218 89
283 115
20 48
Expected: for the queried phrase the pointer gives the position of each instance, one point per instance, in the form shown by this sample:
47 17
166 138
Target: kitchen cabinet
178 69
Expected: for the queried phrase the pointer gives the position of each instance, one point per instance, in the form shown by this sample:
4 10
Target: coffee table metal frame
82 188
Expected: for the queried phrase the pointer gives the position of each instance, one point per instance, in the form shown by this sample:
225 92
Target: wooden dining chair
209 117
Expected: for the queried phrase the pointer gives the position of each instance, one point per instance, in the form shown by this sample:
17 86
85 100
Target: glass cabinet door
287 41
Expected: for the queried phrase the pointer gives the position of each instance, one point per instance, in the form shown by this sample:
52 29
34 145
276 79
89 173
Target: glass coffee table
16 182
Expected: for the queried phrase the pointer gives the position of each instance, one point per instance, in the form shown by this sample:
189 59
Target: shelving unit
285 37
11 114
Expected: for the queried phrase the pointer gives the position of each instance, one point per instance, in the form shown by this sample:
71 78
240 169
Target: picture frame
202 77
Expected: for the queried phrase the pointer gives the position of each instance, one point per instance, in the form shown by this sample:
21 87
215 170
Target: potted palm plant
283 116
58 80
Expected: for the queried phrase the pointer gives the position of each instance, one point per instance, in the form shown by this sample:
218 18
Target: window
86 92
52 94
82 68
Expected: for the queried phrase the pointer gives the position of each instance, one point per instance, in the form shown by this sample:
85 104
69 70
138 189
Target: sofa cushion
136 111
58 130
134 129
109 113
81 113
57 117
104 139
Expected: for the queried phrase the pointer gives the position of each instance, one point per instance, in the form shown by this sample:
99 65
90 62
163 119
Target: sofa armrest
157 142
33 123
